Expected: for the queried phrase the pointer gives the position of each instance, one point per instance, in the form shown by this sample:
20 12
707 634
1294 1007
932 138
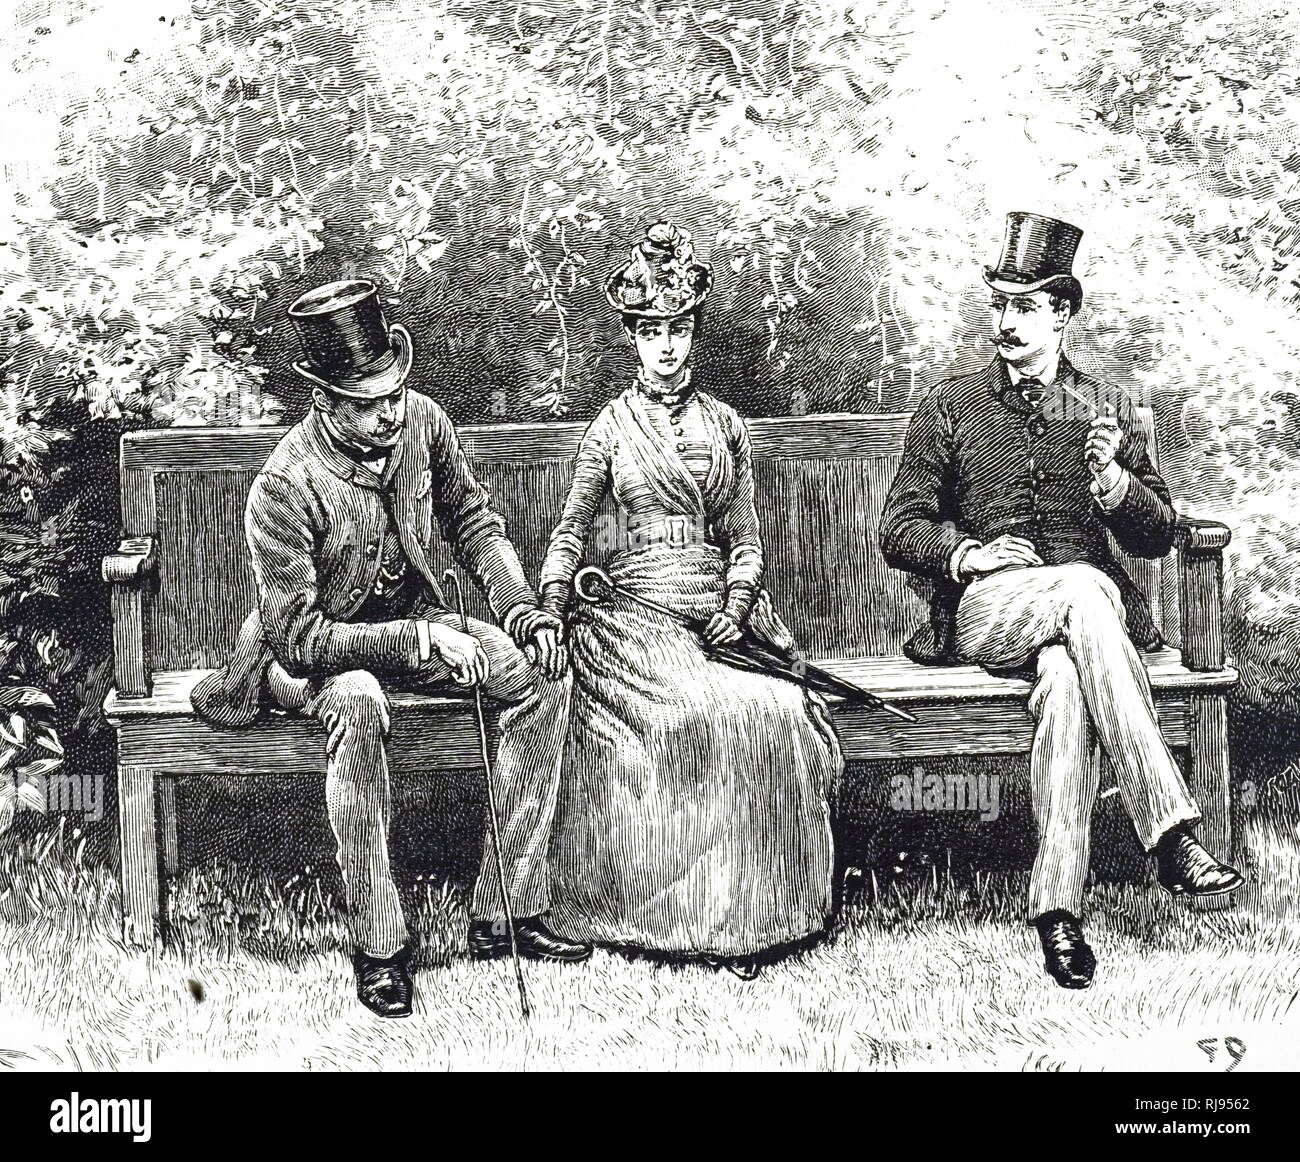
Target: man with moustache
1010 480
339 525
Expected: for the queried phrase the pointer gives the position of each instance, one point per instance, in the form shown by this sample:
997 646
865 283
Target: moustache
1003 339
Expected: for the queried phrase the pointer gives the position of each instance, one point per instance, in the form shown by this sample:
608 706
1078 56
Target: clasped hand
462 653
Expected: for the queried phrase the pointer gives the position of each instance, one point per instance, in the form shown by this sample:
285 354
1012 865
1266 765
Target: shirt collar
1004 388
346 460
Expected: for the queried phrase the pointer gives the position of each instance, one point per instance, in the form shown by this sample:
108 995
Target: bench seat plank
895 679
961 710
898 680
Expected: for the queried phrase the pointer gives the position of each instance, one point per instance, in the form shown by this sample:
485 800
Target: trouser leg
354 711
1118 694
1063 776
1006 618
525 772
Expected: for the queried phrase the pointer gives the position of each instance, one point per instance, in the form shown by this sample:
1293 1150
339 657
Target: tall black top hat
1037 252
662 278
351 350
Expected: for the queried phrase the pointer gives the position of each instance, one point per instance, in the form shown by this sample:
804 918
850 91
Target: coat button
355 595
681 447
372 550
1039 428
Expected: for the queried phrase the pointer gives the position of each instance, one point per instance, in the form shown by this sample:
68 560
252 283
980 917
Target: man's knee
354 701
511 677
1088 590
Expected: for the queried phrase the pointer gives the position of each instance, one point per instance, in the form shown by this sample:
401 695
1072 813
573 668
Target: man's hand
1004 553
461 651
540 635
1102 444
722 628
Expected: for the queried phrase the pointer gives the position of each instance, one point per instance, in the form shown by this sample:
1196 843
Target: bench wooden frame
962 710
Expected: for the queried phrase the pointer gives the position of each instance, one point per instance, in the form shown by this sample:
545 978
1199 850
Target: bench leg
168 824
1211 785
137 825
1210 772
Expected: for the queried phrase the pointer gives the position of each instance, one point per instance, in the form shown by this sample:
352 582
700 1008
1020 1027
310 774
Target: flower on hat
662 278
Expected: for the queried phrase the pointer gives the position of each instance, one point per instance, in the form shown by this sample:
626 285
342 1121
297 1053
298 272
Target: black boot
383 984
488 940
1066 955
1185 868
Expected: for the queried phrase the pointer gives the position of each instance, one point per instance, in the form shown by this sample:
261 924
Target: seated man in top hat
339 524
1010 480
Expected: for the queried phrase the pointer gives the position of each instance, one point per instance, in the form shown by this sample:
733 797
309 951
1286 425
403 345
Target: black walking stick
594 586
494 823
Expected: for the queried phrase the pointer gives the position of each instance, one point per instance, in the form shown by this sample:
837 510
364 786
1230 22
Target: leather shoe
1185 868
1067 957
383 983
534 942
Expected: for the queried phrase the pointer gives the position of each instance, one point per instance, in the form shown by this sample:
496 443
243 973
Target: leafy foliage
844 165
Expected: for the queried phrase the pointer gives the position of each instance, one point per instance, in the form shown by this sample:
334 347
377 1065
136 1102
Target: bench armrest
1200 590
132 572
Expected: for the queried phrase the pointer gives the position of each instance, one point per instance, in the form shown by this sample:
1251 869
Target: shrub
845 165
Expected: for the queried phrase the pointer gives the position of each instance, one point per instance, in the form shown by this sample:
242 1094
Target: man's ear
321 398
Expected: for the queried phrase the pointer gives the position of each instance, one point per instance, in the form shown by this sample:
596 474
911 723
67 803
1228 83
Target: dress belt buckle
677 530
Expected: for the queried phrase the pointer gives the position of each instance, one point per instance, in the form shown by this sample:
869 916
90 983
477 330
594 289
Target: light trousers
1091 690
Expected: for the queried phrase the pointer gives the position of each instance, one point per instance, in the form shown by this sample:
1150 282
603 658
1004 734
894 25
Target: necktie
1033 392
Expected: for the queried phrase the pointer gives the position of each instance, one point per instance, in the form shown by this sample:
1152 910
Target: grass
933 969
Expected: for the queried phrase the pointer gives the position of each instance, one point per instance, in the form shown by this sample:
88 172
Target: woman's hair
696 315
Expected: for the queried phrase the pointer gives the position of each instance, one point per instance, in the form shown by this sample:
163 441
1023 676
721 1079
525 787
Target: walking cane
494 822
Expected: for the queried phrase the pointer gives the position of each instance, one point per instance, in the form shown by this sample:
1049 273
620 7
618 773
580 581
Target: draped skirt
694 810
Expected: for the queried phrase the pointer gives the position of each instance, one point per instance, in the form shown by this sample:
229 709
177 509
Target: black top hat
349 345
1037 252
662 278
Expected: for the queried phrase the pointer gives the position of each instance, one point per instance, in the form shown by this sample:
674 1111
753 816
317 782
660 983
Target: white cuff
423 640
954 562
1109 488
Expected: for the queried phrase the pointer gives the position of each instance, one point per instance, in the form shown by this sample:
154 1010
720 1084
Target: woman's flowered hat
662 279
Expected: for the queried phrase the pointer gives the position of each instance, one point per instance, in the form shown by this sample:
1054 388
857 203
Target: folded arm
914 532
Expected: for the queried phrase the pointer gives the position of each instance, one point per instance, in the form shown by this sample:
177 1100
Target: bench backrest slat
821 483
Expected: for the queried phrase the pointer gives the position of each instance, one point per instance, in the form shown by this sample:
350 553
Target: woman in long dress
694 811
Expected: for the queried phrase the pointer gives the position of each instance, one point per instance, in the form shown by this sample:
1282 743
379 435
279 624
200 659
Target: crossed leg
1091 684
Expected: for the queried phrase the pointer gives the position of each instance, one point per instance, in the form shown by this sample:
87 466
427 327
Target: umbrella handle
592 573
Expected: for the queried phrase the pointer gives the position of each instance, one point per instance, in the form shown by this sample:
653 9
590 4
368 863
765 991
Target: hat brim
372 386
663 316
1009 287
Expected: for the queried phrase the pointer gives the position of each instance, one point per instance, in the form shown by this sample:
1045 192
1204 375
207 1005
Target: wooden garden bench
182 584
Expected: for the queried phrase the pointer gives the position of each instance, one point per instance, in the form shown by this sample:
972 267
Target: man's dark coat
979 461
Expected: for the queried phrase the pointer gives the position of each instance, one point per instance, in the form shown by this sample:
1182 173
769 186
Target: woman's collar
660 393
